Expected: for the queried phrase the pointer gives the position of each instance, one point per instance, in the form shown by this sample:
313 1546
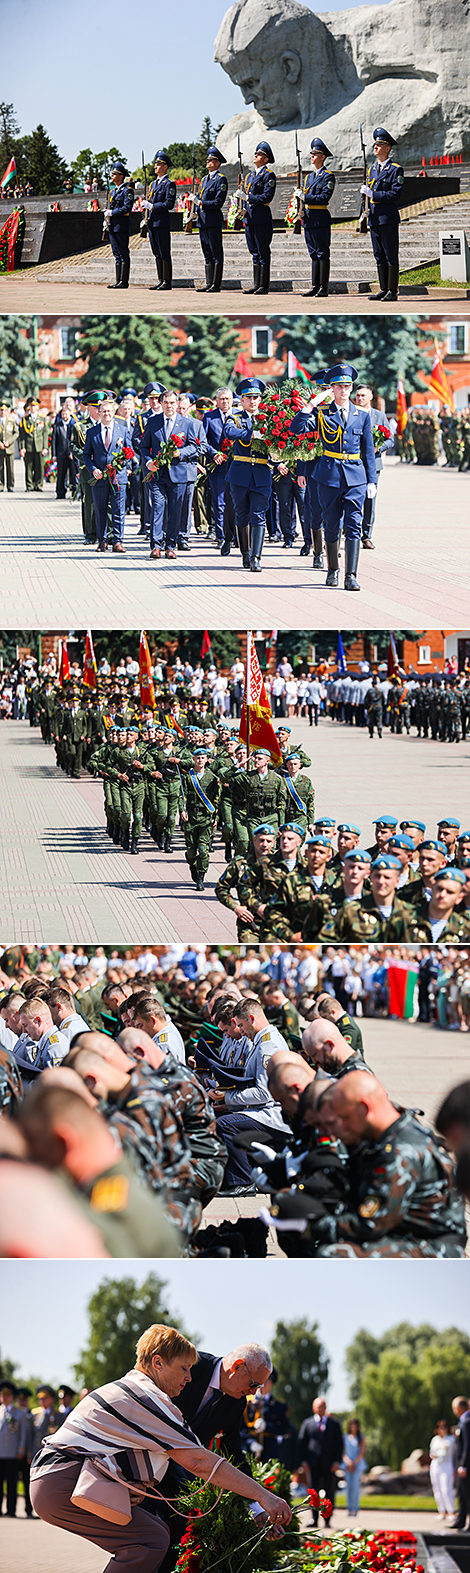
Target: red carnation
178 438
326 1509
314 1498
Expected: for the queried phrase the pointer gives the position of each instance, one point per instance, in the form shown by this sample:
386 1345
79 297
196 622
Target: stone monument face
403 65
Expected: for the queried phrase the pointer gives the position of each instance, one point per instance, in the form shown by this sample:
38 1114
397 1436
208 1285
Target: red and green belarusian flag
295 371
402 985
9 177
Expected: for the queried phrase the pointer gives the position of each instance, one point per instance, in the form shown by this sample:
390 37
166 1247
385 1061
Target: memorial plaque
451 247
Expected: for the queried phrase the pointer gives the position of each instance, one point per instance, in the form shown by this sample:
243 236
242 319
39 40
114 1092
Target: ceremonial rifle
105 235
298 221
238 220
192 208
362 225
144 225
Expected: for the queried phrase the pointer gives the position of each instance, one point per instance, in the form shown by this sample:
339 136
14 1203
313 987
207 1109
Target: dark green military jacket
263 799
402 1187
196 808
457 926
347 1026
302 788
361 920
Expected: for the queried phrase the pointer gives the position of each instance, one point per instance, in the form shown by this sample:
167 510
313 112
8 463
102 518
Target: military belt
240 458
341 456
316 207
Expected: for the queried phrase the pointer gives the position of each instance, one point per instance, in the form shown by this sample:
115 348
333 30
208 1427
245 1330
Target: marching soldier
346 471
8 436
259 188
250 475
212 194
160 203
317 192
33 439
199 815
262 791
380 915
163 770
130 773
283 734
374 707
443 917
118 218
384 189
75 735
303 886
300 794
238 877
103 763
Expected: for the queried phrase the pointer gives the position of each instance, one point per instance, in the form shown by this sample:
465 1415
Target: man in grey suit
14 1434
363 397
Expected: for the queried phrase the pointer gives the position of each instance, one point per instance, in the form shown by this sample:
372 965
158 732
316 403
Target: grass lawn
407 1504
430 274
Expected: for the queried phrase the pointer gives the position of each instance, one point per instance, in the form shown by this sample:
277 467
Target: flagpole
247 698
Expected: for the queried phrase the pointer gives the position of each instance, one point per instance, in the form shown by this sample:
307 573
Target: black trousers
9 1484
322 1480
24 1471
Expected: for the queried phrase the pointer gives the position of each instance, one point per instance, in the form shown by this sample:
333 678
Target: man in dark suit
461 1411
61 450
101 444
168 484
320 1448
213 1402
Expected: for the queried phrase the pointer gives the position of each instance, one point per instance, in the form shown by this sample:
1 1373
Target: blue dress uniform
250 481
342 474
212 194
162 195
318 188
119 224
168 486
96 456
385 181
259 188
214 423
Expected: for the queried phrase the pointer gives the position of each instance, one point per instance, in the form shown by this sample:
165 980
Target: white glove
108 213
297 1224
371 489
298 192
147 205
366 191
321 397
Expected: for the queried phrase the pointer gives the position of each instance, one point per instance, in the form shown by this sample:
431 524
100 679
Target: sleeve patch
110 1196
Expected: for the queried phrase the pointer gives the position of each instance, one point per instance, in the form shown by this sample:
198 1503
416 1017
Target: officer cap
33 399
402 841
7 1384
250 385
292 756
464 835
118 164
352 828
386 861
381 135
342 372
214 152
64 1388
264 830
263 147
317 146
23 1392
326 824
291 824
44 1388
197 751
451 873
164 156
319 841
449 823
128 393
412 824
357 856
153 387
96 396
432 846
203 404
386 819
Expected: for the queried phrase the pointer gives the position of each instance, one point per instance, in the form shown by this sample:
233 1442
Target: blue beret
449 823
291 824
464 835
412 824
342 372
264 830
357 856
263 147
352 828
292 756
432 846
265 751
386 861
197 751
386 819
330 823
317 146
319 841
381 135
250 385
402 841
164 156
283 729
214 152
451 873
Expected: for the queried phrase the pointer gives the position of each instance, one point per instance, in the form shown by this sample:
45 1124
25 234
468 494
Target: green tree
393 1408
123 350
17 360
209 355
302 1366
119 1312
9 130
39 162
403 1382
297 645
381 349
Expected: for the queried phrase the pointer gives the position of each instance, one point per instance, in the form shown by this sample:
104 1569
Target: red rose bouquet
273 422
167 454
380 435
122 455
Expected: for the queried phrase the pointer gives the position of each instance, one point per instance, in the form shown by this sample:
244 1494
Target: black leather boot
392 290
324 277
167 275
315 279
117 835
244 544
216 285
167 844
257 538
125 839
382 270
209 271
351 559
125 271
118 266
134 844
263 286
253 289
333 566
199 882
318 561
159 267
228 851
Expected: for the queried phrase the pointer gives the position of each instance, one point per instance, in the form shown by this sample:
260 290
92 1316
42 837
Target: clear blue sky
123 76
43 1304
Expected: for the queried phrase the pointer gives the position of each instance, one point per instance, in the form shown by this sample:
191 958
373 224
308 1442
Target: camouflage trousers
393 1245
197 835
241 839
166 806
132 802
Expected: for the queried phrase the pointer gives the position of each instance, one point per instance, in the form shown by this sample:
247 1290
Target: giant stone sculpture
403 65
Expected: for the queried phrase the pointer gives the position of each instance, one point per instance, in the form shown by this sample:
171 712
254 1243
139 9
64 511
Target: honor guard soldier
214 422
259 188
159 204
212 194
33 442
383 192
250 475
8 436
118 219
198 816
346 471
317 192
300 792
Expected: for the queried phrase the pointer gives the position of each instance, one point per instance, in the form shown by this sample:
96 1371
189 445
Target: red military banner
256 723
147 691
89 679
64 668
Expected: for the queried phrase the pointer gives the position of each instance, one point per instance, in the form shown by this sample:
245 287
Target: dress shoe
156 552
171 554
102 547
118 548
368 545
183 546
304 551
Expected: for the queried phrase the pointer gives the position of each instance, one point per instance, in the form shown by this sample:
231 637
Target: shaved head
138 1045
356 1107
287 1081
324 1045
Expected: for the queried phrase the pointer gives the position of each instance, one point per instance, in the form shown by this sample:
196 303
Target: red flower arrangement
273 422
167 454
380 435
121 456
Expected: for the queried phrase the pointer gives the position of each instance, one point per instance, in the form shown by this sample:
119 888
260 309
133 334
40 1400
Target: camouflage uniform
286 1019
199 826
403 1200
152 1134
303 787
238 876
127 1215
457 926
102 763
209 1156
264 798
10 1084
297 902
131 791
361 920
